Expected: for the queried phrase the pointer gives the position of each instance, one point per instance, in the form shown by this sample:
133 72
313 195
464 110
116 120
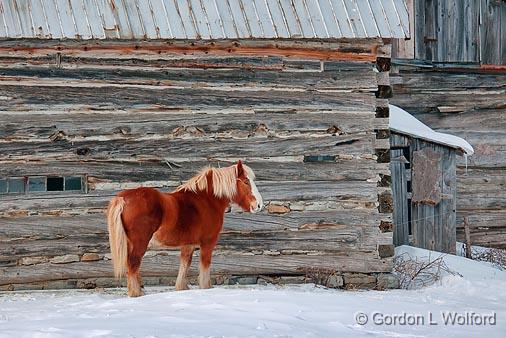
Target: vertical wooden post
467 232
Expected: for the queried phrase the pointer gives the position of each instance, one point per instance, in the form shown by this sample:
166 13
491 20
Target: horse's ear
240 169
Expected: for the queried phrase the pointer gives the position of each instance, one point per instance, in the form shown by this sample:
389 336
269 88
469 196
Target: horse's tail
117 236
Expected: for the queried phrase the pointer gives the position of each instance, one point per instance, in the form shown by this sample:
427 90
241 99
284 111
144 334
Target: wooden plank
450 178
416 211
146 63
222 264
144 171
419 20
426 175
431 35
123 97
348 80
190 148
182 124
399 192
337 240
346 191
54 227
345 50
490 31
399 141
488 226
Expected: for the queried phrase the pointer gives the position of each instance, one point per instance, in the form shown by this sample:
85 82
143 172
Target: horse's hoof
182 287
135 293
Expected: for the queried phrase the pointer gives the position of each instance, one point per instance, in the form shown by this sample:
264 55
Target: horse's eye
247 182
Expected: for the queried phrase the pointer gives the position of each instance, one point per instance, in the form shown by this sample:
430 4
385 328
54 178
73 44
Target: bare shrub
414 273
495 256
322 276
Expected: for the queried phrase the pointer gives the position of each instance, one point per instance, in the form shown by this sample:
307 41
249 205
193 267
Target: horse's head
247 196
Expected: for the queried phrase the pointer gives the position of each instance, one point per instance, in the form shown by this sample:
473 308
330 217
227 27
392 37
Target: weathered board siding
154 114
424 208
455 31
470 104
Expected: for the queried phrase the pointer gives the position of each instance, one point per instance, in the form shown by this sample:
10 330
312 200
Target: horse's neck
217 204
220 204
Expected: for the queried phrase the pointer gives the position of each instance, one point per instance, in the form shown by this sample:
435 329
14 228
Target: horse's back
143 209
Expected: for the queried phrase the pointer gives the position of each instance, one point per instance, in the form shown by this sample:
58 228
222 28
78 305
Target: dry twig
415 273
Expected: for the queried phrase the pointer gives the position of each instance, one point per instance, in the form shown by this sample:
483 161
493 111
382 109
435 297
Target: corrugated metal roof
203 19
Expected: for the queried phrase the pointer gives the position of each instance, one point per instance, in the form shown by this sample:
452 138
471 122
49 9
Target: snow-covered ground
267 311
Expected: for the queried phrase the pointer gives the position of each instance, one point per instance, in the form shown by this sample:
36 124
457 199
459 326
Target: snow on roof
403 122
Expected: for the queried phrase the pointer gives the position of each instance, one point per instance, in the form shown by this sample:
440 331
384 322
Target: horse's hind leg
206 252
184 265
135 254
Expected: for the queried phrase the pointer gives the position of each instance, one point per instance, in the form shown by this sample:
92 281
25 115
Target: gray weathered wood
399 192
473 105
302 115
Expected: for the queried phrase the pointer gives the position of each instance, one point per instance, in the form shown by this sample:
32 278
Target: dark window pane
16 185
73 183
36 184
55 184
3 186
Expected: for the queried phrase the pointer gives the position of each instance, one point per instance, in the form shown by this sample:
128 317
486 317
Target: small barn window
55 184
16 185
36 184
41 184
73 183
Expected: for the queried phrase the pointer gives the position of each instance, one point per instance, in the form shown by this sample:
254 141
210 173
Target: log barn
451 75
101 95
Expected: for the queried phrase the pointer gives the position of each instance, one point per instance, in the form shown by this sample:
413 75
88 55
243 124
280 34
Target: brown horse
190 217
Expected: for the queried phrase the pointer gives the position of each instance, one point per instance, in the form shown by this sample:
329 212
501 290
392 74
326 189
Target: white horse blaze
255 192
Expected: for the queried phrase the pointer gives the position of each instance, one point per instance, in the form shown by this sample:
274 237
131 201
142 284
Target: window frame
26 185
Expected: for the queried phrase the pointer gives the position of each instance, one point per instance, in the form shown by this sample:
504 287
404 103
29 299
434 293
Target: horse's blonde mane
224 181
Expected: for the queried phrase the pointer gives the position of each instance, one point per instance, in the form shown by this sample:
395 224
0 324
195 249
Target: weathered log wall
153 114
471 104
455 31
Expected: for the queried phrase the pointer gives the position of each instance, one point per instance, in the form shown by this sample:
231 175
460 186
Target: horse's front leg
206 252
184 264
